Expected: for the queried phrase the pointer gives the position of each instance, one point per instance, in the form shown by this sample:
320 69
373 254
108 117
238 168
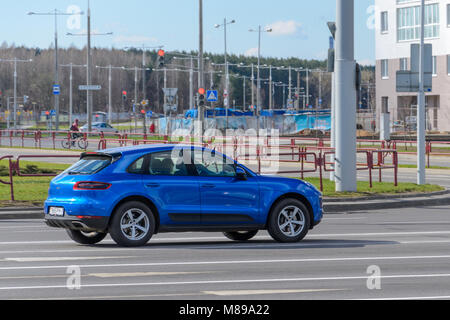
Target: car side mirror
241 174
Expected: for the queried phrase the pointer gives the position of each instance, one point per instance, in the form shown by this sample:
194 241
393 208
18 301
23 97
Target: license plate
56 212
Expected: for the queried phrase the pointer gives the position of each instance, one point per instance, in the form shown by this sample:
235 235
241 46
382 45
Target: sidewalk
331 206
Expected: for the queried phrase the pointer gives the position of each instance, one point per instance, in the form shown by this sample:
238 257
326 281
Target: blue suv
135 192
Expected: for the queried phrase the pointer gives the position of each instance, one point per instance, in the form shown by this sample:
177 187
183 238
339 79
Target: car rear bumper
88 224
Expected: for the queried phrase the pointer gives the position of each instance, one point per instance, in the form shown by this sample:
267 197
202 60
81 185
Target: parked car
133 193
99 127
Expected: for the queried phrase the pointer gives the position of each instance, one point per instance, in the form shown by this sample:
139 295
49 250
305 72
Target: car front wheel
132 225
289 221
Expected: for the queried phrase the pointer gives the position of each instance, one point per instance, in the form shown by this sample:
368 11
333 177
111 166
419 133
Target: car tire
132 225
240 235
289 221
86 238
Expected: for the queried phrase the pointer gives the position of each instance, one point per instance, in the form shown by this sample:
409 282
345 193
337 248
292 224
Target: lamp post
89 34
15 61
110 68
144 80
258 93
71 66
55 13
136 71
227 75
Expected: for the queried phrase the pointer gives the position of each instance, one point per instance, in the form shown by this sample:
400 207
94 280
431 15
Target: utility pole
244 107
345 166
15 61
253 85
297 101
191 85
421 113
88 71
55 13
201 66
270 89
71 66
110 68
89 101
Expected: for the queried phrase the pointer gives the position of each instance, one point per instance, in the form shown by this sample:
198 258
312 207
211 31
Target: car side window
210 164
137 167
168 163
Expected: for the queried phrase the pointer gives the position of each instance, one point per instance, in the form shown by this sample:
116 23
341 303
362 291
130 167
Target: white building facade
397 27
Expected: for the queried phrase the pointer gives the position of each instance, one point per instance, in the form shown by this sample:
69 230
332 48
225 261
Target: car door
226 200
173 188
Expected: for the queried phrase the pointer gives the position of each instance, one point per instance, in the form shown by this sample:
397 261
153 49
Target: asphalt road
410 248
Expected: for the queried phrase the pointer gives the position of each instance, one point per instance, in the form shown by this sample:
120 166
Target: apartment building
397 27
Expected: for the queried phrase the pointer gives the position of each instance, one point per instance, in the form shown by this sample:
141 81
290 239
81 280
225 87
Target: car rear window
90 165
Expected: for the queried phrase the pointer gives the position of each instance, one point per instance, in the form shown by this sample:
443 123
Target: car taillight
87 185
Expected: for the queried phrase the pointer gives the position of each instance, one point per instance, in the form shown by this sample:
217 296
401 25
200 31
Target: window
403 64
384 22
137 167
434 65
168 163
90 164
384 69
408 22
212 165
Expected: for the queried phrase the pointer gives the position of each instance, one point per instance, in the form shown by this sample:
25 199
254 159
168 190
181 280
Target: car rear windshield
90 165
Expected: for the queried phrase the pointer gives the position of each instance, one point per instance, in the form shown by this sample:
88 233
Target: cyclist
75 129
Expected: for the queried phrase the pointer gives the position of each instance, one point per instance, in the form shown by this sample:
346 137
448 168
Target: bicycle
75 140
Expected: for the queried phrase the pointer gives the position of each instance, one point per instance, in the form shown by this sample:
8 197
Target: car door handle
152 185
208 186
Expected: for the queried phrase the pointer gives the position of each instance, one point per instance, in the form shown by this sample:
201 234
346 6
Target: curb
392 203
21 213
387 197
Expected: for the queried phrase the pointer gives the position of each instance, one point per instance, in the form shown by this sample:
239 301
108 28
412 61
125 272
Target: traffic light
161 59
124 96
201 97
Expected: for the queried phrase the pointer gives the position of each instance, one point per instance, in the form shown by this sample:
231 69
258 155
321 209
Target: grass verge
364 190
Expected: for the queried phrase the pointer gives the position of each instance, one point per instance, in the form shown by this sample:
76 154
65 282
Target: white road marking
235 262
226 293
241 281
368 234
54 259
121 297
410 298
142 274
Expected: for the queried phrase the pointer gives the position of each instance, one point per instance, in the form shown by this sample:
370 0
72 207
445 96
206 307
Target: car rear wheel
289 221
240 235
132 225
86 238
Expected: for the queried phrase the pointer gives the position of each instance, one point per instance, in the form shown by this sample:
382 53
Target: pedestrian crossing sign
212 96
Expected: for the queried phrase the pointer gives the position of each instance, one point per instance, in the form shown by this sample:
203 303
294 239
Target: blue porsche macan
134 193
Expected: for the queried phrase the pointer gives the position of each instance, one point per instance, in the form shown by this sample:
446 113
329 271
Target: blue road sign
53 112
212 96
56 89
149 114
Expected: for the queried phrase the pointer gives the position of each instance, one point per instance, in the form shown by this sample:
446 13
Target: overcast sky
299 25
